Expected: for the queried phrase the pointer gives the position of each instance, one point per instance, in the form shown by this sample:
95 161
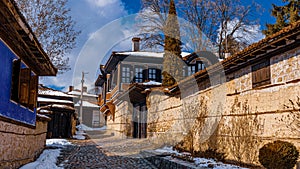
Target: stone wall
20 145
120 123
233 117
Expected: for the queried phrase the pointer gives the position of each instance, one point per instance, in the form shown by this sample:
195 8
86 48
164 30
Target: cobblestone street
85 154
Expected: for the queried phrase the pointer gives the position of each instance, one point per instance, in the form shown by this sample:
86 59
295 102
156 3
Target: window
184 71
261 74
24 85
96 118
152 74
125 74
200 66
138 75
15 80
191 70
114 79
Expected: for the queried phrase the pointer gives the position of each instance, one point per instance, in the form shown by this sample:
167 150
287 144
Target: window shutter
145 75
261 74
158 75
33 92
24 86
15 80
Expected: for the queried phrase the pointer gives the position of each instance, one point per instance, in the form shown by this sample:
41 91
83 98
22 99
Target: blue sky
99 21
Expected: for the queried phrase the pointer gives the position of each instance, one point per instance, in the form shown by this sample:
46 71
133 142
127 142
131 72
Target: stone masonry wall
120 123
232 118
20 145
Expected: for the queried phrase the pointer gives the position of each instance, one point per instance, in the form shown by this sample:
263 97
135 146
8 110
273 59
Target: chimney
71 88
84 89
136 44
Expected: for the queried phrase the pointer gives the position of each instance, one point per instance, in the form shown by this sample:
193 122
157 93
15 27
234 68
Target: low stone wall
20 145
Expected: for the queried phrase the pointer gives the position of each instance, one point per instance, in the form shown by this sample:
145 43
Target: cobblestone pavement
122 146
86 154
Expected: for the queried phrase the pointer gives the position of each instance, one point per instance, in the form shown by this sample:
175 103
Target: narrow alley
84 154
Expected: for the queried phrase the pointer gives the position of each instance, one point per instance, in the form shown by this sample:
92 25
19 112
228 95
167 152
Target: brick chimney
71 88
84 89
136 44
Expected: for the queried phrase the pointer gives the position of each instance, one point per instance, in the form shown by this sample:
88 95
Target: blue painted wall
9 109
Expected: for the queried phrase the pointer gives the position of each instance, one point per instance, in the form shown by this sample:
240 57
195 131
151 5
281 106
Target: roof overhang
17 34
286 39
100 80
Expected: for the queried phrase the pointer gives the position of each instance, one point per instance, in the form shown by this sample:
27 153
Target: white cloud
108 8
100 44
90 16
102 3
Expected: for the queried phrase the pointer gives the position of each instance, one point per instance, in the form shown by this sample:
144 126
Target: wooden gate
139 121
60 125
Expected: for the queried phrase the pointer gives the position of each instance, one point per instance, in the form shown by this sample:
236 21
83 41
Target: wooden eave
17 34
284 40
113 61
100 81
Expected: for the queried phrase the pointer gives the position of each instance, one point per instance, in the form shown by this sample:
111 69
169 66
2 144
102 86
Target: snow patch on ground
203 162
167 150
86 128
57 143
79 135
200 162
48 158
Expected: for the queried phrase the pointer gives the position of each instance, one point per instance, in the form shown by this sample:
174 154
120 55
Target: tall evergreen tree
284 15
172 63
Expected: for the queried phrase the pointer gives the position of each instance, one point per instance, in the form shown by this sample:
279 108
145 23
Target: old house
22 61
135 67
59 107
91 116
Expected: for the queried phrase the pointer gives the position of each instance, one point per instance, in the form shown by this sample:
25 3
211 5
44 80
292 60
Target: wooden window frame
125 74
199 66
261 73
14 92
24 87
152 74
138 71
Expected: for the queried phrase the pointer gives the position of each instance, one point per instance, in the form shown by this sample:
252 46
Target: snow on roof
78 93
44 111
151 83
42 99
149 54
86 104
43 116
51 92
48 108
62 106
